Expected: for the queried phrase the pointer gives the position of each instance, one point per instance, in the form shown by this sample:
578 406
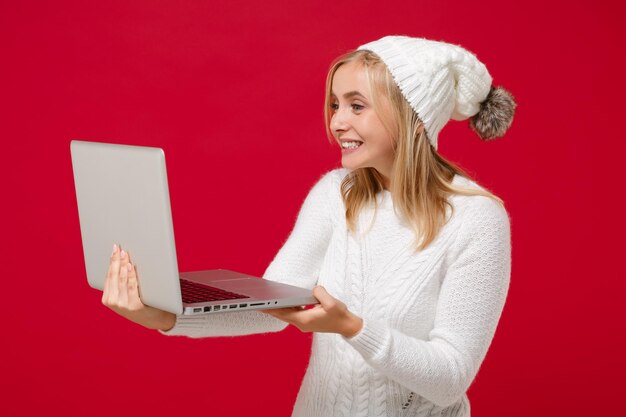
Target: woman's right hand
121 294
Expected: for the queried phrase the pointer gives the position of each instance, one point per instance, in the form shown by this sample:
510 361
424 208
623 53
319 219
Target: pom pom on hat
443 81
495 115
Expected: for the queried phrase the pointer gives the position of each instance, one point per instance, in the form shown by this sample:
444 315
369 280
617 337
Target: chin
349 165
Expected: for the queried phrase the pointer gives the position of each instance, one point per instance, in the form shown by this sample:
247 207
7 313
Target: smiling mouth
351 144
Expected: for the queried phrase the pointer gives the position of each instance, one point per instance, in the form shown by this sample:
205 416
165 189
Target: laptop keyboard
199 293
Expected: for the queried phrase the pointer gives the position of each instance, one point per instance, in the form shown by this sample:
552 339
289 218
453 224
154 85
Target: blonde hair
422 179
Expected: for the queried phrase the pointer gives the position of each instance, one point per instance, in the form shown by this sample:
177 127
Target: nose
338 122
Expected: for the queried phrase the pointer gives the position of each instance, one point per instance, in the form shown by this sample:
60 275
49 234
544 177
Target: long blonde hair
422 179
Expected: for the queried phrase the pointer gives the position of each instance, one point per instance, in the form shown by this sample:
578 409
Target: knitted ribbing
429 317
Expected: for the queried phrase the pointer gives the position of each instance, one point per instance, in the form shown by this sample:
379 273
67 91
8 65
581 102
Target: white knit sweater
429 317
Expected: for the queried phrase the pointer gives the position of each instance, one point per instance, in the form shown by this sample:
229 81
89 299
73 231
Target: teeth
350 145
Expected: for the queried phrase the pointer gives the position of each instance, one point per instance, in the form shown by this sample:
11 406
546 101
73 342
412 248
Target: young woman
409 258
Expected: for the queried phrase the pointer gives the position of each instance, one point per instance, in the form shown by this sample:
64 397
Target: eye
357 107
334 106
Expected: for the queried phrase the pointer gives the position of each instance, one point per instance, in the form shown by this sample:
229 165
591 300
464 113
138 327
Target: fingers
111 283
121 290
296 316
122 300
284 313
330 316
123 271
326 300
134 302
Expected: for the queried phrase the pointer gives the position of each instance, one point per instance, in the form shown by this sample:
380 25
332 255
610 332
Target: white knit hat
442 81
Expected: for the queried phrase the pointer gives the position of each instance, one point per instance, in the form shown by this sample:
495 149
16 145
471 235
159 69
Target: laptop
122 194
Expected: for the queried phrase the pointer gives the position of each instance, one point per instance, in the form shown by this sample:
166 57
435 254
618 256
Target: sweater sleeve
470 303
297 263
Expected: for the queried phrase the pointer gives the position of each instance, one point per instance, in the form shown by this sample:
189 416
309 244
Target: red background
233 91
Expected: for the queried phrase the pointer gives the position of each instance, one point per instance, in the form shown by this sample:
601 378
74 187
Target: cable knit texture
429 316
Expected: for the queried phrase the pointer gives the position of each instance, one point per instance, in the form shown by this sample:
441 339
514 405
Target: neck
386 183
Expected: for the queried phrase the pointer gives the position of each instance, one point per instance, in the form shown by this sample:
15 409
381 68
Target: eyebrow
349 94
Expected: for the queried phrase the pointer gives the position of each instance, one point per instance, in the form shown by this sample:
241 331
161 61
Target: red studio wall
233 92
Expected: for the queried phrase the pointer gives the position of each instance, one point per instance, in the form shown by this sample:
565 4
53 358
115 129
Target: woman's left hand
330 316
